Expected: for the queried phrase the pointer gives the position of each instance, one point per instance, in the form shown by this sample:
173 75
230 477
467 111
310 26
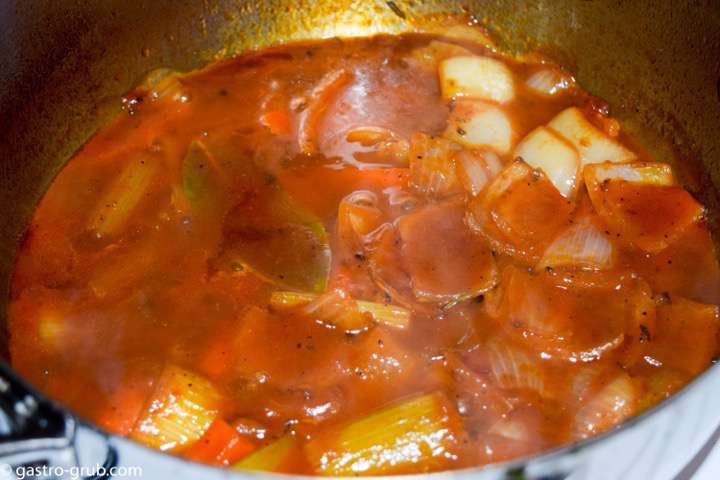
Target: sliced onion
550 81
520 212
612 404
592 144
640 204
436 51
646 172
476 77
478 124
512 368
583 245
432 166
319 101
558 159
337 308
476 168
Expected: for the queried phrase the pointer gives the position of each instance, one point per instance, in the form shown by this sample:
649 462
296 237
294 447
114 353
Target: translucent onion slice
583 245
436 51
559 160
337 308
550 81
461 269
358 216
592 144
330 85
520 212
387 314
612 404
686 338
647 173
432 166
512 368
476 168
537 312
640 203
483 78
478 124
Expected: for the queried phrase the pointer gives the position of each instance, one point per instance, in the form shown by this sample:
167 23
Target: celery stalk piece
269 458
390 315
417 434
179 411
124 194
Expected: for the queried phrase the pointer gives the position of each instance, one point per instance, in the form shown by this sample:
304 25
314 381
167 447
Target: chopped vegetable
382 313
270 458
329 86
476 168
432 167
606 409
659 174
434 52
358 216
416 434
592 144
181 408
512 368
550 81
584 244
640 205
538 312
220 445
478 124
559 160
463 268
520 212
123 195
335 307
483 78
687 335
388 146
274 237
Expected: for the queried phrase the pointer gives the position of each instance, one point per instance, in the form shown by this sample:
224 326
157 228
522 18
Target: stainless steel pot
65 64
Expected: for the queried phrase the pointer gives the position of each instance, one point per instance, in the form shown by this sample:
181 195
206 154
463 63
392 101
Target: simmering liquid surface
373 256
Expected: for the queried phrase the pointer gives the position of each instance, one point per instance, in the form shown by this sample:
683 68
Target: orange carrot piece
278 121
220 445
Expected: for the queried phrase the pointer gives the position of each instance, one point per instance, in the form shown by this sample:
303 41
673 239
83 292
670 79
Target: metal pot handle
37 434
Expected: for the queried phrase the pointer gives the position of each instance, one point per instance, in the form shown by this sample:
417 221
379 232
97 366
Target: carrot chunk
220 445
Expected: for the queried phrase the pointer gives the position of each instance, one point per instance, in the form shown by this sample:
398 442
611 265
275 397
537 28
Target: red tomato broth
513 356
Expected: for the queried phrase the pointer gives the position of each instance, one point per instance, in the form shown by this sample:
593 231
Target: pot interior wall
66 64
